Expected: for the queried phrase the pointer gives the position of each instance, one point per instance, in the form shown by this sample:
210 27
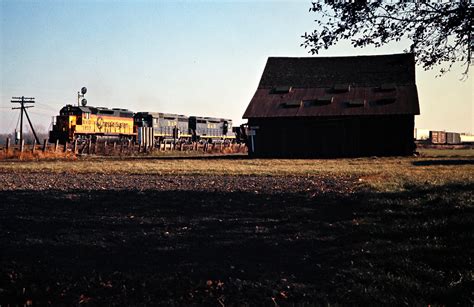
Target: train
101 123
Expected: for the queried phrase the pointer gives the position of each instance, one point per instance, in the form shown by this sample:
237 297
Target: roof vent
341 88
386 87
325 100
281 90
386 100
356 103
291 104
319 101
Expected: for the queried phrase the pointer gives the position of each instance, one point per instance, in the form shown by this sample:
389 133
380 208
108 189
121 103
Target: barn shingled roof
312 78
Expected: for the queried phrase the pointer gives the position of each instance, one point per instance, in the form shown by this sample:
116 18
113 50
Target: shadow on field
444 162
181 247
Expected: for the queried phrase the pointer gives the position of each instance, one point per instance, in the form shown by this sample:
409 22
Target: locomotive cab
65 125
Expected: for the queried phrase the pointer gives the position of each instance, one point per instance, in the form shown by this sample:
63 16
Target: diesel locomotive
184 128
82 122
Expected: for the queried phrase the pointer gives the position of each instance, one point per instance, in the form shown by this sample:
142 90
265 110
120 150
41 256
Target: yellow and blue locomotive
81 122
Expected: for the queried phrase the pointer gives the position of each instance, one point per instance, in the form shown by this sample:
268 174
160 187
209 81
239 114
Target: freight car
453 138
438 137
81 122
442 137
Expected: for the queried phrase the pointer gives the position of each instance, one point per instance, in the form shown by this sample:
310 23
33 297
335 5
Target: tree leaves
439 32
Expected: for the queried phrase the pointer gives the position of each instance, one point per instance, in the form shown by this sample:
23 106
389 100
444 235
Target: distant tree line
28 136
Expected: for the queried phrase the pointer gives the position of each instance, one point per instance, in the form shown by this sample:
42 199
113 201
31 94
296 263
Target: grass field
230 230
382 174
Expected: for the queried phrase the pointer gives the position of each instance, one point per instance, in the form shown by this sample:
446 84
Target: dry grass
382 174
35 156
432 152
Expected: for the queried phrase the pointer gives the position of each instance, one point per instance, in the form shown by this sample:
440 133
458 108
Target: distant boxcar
438 137
453 138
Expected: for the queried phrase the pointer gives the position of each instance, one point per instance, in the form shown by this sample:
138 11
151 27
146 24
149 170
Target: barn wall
333 137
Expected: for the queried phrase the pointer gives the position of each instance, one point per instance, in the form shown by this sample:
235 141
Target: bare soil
217 240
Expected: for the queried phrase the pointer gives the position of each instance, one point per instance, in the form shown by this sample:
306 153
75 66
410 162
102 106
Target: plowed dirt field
217 239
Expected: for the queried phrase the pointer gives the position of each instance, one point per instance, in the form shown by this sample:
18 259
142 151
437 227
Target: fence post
34 146
44 145
121 148
105 148
65 147
115 146
56 146
74 146
7 145
22 145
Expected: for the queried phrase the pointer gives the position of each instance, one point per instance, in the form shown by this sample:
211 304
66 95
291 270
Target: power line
41 113
46 106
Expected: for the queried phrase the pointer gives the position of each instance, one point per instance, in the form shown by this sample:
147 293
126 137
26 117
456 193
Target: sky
200 58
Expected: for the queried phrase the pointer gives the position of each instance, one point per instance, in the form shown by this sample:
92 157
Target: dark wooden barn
334 107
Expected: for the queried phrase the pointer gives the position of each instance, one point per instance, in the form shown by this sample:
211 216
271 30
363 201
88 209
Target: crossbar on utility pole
22 100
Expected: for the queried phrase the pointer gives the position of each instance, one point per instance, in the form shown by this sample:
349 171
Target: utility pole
22 100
